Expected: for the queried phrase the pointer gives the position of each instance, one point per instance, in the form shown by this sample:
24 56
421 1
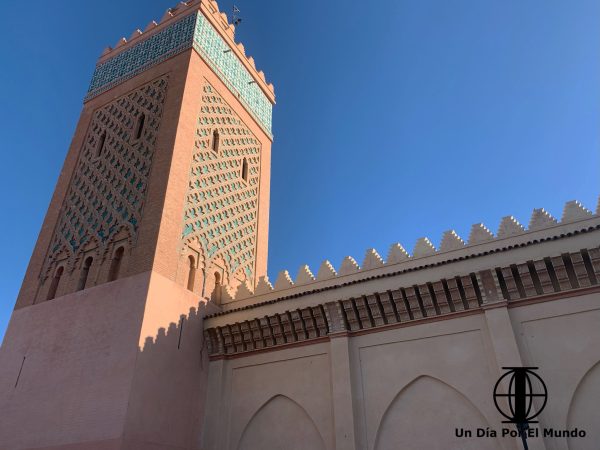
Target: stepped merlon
451 243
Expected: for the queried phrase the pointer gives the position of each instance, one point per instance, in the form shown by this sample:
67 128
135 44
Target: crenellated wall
399 355
452 247
198 25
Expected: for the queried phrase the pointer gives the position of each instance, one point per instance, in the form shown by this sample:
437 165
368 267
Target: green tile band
194 31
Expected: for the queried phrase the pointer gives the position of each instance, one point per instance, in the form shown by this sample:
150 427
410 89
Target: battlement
542 226
196 24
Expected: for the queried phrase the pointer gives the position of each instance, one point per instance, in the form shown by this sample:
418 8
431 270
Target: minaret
161 208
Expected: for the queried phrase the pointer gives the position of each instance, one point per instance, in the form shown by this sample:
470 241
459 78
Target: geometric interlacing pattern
221 207
109 184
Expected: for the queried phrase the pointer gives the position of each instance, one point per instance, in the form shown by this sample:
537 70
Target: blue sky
394 119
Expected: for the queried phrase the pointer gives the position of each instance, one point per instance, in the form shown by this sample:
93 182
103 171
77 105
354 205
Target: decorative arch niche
426 409
583 410
281 424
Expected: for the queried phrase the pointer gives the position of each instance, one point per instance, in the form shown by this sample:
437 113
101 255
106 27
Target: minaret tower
161 209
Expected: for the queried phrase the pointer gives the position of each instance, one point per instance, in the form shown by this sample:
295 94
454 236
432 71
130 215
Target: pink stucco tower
162 208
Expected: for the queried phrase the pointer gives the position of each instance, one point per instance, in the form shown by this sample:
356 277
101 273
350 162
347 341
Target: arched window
55 282
100 146
217 292
245 169
140 126
115 265
215 141
191 273
85 271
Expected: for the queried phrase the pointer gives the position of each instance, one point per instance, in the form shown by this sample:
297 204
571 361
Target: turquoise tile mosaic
162 45
232 72
194 31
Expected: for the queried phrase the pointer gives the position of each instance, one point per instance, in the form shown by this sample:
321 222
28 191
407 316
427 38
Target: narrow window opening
100 146
55 282
85 271
217 290
140 126
245 169
215 141
115 265
191 273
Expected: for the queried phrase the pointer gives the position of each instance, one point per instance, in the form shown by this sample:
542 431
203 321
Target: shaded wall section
118 366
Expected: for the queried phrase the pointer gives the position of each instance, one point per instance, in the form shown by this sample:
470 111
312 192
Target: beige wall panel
415 368
562 338
294 385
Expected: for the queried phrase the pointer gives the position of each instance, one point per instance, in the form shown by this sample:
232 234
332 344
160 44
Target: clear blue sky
395 119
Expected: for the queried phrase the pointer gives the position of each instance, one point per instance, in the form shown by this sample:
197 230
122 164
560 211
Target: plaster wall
119 366
411 386
76 356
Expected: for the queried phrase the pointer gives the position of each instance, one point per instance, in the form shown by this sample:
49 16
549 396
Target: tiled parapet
198 25
481 240
264 326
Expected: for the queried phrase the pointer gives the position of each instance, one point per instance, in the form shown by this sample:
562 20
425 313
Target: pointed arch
115 263
582 412
85 272
191 278
55 282
281 424
421 406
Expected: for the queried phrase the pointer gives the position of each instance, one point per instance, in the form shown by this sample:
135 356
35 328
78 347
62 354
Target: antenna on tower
236 19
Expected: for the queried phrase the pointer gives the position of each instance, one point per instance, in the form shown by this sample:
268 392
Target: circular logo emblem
523 385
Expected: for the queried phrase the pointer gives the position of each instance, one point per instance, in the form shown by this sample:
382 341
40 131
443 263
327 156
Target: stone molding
436 300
